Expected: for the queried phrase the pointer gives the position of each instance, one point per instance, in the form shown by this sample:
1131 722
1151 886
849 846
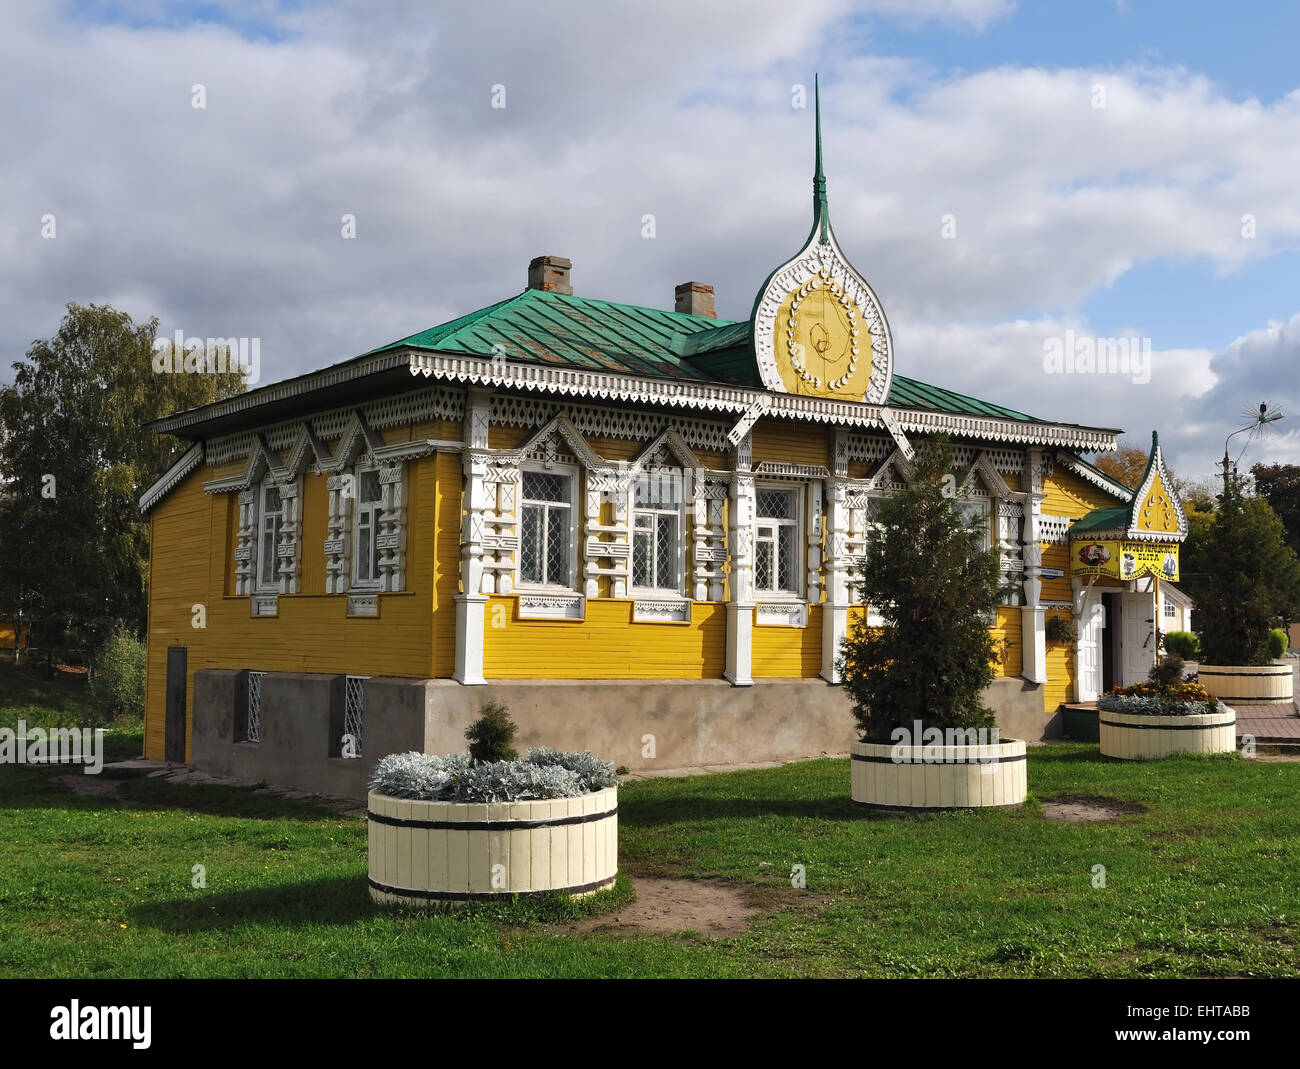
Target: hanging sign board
1124 560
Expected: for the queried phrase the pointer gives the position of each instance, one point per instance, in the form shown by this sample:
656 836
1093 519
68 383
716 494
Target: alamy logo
935 745
57 746
76 1021
218 356
1085 355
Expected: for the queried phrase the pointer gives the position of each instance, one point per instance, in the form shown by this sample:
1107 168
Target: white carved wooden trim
288 553
363 603
338 540
263 605
245 540
390 539
1053 530
598 421
559 606
781 614
717 397
661 611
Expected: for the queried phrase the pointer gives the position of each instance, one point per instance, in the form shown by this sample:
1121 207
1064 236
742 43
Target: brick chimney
550 273
695 298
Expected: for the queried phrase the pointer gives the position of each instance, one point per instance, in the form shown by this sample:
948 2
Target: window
776 542
656 531
546 535
974 513
366 545
270 524
253 725
354 712
1171 609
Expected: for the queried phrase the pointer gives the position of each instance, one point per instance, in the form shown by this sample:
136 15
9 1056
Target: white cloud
226 220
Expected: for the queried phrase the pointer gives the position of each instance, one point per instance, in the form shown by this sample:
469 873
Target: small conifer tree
927 574
491 735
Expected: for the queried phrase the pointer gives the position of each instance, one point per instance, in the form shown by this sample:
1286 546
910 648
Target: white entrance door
1092 619
1136 653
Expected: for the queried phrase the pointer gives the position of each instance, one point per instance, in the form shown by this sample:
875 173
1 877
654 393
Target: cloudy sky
1008 176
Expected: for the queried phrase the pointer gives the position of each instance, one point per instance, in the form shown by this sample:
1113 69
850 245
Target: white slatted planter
1133 736
963 777
1263 684
426 853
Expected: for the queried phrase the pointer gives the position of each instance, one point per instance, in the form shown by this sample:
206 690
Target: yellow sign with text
1124 560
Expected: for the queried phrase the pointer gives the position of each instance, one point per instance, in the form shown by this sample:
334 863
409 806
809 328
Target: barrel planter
885 776
426 853
1136 736
1260 684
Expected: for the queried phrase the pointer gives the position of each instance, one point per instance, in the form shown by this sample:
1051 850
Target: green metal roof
1112 519
543 327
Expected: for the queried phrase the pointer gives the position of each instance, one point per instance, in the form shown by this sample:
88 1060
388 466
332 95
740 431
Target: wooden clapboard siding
1068 495
790 443
315 518
500 437
445 525
192 547
789 652
1008 628
608 645
1060 674
1057 556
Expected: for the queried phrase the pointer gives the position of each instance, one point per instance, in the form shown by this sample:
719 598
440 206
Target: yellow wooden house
637 527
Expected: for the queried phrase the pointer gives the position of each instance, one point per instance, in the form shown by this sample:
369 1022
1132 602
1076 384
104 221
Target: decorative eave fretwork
720 397
185 463
260 461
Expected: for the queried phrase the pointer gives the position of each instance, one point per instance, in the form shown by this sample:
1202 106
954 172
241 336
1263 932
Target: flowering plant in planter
1165 693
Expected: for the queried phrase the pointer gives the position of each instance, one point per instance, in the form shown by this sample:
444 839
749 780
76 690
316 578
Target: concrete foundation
647 725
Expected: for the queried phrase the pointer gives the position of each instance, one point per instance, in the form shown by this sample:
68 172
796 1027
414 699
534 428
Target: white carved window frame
795 568
373 510
573 473
678 512
262 585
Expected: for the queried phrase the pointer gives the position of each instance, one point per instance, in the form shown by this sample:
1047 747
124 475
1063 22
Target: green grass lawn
1203 883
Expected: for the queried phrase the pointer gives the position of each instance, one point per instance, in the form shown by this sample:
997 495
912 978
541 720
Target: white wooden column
835 612
471 605
740 609
1033 622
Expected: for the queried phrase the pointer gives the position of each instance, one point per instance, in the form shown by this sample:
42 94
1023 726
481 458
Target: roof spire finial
821 209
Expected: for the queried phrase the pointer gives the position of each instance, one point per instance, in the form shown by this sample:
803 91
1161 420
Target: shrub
937 589
1182 644
544 773
118 687
1167 673
1278 641
1243 577
491 735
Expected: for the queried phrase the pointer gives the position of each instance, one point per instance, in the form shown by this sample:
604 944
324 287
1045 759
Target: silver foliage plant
1146 705
542 773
